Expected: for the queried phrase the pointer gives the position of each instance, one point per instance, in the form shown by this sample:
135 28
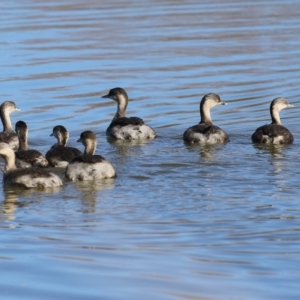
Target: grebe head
120 96
276 106
8 107
211 100
279 104
89 141
61 134
208 102
22 132
86 135
117 94
21 128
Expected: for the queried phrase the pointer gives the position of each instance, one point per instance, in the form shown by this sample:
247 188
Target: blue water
179 221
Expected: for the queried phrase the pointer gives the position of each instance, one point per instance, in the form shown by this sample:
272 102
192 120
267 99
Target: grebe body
205 131
274 133
27 178
89 166
60 155
122 127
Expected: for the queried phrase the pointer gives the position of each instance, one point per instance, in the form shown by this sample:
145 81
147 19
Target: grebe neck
122 105
90 147
275 116
62 139
205 114
6 122
9 157
23 145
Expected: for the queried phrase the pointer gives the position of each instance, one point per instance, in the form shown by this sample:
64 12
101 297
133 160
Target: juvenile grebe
29 177
8 135
124 128
25 157
274 133
59 155
89 166
205 131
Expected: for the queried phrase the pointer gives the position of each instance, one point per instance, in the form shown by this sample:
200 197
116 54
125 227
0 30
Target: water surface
179 221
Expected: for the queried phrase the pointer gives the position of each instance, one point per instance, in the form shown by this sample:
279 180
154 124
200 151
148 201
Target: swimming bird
59 155
124 128
8 135
89 166
274 133
28 177
26 157
205 131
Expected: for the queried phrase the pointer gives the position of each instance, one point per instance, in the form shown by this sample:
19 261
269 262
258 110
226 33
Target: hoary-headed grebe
60 155
124 128
25 157
28 177
205 131
274 133
89 166
8 135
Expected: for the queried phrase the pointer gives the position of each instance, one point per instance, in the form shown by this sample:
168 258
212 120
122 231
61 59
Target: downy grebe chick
25 157
274 133
59 155
89 166
29 177
124 128
8 135
205 131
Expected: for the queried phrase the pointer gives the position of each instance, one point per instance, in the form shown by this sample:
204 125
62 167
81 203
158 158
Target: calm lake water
179 221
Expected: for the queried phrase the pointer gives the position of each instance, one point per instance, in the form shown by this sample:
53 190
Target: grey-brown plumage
135 121
205 131
89 166
88 139
122 127
274 133
60 155
8 135
28 177
36 173
26 157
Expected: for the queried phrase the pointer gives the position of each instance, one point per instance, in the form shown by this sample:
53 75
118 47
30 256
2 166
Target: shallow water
179 221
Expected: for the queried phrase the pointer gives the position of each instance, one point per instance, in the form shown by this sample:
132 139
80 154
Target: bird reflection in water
205 150
89 192
274 149
123 147
125 150
14 198
8 205
277 159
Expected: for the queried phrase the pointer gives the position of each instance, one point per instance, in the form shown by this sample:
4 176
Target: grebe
124 128
29 177
59 155
8 135
274 133
205 131
26 157
89 166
